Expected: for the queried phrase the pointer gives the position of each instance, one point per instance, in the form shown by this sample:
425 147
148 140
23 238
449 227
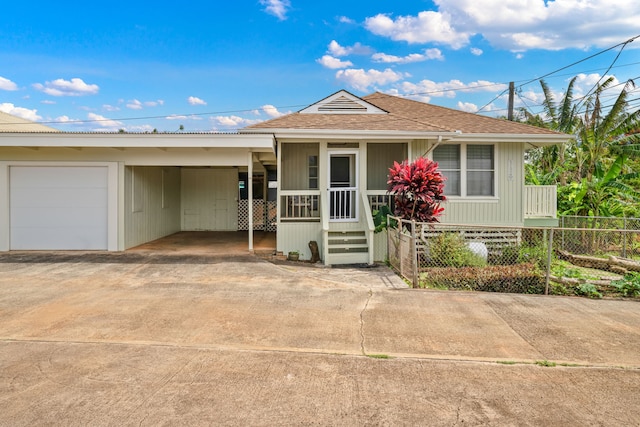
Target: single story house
314 175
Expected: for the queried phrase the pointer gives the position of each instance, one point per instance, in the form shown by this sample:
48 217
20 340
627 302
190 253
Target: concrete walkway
147 339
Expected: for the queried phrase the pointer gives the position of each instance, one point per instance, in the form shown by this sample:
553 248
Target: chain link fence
569 261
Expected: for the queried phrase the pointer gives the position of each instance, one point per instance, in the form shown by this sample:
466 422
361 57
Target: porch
540 206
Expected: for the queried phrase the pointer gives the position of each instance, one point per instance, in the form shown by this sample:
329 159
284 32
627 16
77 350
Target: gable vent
342 104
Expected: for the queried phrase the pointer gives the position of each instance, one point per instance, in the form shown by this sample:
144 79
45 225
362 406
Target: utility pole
511 94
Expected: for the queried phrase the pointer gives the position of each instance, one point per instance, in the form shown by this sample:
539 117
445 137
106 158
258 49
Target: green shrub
451 250
588 290
536 254
520 278
520 254
629 285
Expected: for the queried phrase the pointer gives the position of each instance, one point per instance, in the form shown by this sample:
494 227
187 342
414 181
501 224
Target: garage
59 207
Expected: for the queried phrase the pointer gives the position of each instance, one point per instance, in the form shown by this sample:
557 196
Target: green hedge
519 278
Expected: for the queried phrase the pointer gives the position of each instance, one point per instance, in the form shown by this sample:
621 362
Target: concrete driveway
148 339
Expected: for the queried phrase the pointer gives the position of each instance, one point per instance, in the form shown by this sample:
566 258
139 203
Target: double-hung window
469 169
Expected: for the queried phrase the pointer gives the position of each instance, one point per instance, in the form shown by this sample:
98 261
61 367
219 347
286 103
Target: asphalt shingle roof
403 115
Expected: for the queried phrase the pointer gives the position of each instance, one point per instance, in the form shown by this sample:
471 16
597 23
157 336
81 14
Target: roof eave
264 142
536 140
351 134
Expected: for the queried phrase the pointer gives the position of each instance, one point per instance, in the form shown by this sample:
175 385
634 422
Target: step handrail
368 215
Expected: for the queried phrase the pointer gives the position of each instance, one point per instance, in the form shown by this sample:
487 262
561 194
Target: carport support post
250 193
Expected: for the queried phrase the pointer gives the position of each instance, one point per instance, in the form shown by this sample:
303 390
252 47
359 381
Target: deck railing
301 205
540 201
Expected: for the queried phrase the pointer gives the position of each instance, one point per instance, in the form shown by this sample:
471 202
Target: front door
343 185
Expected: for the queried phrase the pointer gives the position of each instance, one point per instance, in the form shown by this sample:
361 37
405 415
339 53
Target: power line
526 82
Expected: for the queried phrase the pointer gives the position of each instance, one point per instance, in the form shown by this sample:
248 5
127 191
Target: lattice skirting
263 219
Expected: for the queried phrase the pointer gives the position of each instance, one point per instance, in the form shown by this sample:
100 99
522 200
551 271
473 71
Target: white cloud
467 106
6 84
357 49
476 51
140 128
193 100
135 104
346 20
103 121
414 57
65 120
62 87
48 102
329 61
361 80
21 112
427 27
110 108
272 111
277 8
429 88
586 82
232 122
516 25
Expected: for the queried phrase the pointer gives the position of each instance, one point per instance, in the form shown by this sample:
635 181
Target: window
469 169
312 164
480 171
448 158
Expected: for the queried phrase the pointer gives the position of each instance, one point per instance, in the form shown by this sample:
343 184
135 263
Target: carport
209 243
97 191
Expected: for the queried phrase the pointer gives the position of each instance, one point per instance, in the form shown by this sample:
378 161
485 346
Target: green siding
380 158
504 209
294 165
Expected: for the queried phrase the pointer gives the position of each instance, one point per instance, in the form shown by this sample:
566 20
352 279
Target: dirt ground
147 339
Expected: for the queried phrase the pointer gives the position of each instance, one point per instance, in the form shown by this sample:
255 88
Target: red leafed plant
418 188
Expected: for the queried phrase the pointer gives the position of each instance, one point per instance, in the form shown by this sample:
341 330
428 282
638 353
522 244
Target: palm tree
606 140
548 163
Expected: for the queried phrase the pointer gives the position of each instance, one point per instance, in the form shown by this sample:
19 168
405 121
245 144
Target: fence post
624 237
549 252
414 255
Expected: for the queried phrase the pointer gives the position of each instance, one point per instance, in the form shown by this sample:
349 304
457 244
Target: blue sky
222 65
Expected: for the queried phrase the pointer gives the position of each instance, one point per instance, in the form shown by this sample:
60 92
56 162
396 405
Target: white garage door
58 208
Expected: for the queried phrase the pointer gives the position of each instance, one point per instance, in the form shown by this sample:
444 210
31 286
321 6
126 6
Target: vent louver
342 104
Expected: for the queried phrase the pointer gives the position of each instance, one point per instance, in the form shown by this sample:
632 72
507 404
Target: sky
221 65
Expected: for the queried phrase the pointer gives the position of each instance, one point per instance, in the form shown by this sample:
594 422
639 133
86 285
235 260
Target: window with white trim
469 169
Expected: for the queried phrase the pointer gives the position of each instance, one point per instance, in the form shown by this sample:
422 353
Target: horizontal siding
296 237
507 208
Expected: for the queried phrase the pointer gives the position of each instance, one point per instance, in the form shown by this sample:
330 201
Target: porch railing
343 204
540 201
378 199
300 205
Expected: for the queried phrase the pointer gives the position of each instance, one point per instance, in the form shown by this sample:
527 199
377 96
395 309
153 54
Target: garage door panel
58 177
58 217
57 238
66 197
58 207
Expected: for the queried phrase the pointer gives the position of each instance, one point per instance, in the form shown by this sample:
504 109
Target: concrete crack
362 338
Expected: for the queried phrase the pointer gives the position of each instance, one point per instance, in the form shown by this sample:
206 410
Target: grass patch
506 362
545 363
379 356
